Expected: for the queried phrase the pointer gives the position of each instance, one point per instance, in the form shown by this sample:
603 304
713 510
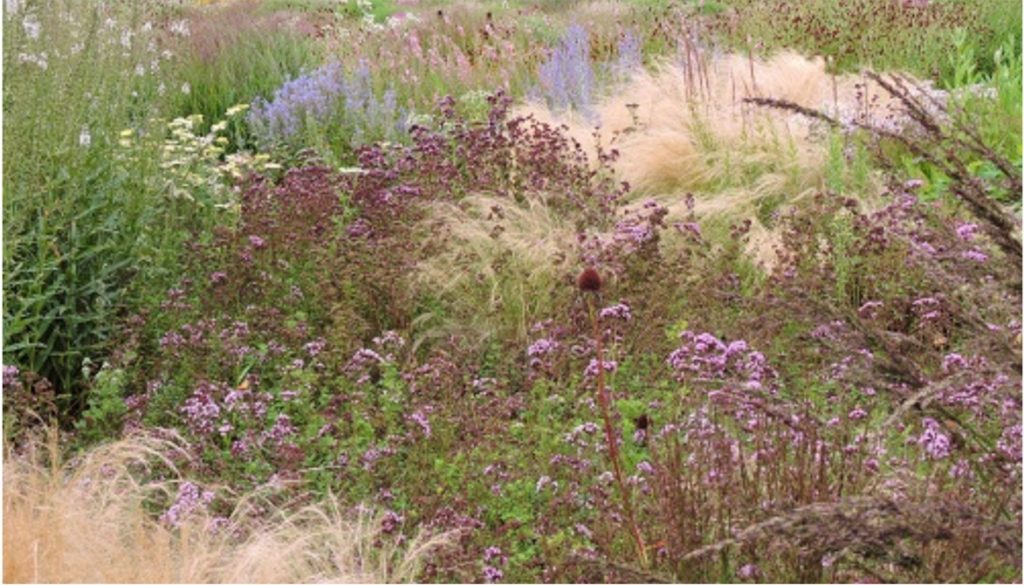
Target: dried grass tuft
91 520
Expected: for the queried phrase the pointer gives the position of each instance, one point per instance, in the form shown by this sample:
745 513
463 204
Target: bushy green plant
79 225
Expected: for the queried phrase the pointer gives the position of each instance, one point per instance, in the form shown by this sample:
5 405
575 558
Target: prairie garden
521 291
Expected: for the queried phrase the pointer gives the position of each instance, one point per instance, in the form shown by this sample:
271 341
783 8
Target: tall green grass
237 53
883 34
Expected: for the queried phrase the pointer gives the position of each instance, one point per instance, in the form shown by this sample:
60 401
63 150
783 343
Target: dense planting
555 293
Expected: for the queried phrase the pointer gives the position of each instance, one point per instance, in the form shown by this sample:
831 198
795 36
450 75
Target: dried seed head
589 280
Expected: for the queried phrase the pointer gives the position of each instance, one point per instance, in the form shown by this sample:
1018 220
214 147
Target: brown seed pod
589 280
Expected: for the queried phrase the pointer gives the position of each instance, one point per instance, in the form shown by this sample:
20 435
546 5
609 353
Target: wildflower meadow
512 292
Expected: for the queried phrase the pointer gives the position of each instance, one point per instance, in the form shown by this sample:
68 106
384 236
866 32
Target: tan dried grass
86 521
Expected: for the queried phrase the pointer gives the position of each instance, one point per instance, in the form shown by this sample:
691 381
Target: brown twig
611 439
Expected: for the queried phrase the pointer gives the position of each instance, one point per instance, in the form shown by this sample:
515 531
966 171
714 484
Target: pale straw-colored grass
92 520
683 127
500 265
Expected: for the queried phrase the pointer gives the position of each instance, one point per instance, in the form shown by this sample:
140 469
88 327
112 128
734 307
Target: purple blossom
1009 443
544 481
372 455
619 310
282 429
420 418
967 231
493 574
324 96
541 347
202 409
953 362
190 500
567 77
975 255
257 242
11 374
240 447
749 572
703 357
857 413
313 348
607 365
494 556
934 442
630 55
218 277
361 362
171 340
391 521
869 309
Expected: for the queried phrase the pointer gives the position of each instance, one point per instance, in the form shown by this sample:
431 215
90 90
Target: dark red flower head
589 280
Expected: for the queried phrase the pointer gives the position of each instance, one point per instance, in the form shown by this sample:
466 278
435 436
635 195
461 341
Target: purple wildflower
619 310
749 572
190 500
967 231
493 574
934 442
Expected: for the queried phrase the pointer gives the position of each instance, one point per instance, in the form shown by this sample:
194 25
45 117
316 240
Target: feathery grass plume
91 520
684 127
505 255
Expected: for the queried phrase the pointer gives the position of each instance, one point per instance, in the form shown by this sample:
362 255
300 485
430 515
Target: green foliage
76 224
253 61
106 408
882 34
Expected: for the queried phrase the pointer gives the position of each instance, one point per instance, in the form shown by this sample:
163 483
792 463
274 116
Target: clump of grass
685 126
235 54
505 260
91 520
